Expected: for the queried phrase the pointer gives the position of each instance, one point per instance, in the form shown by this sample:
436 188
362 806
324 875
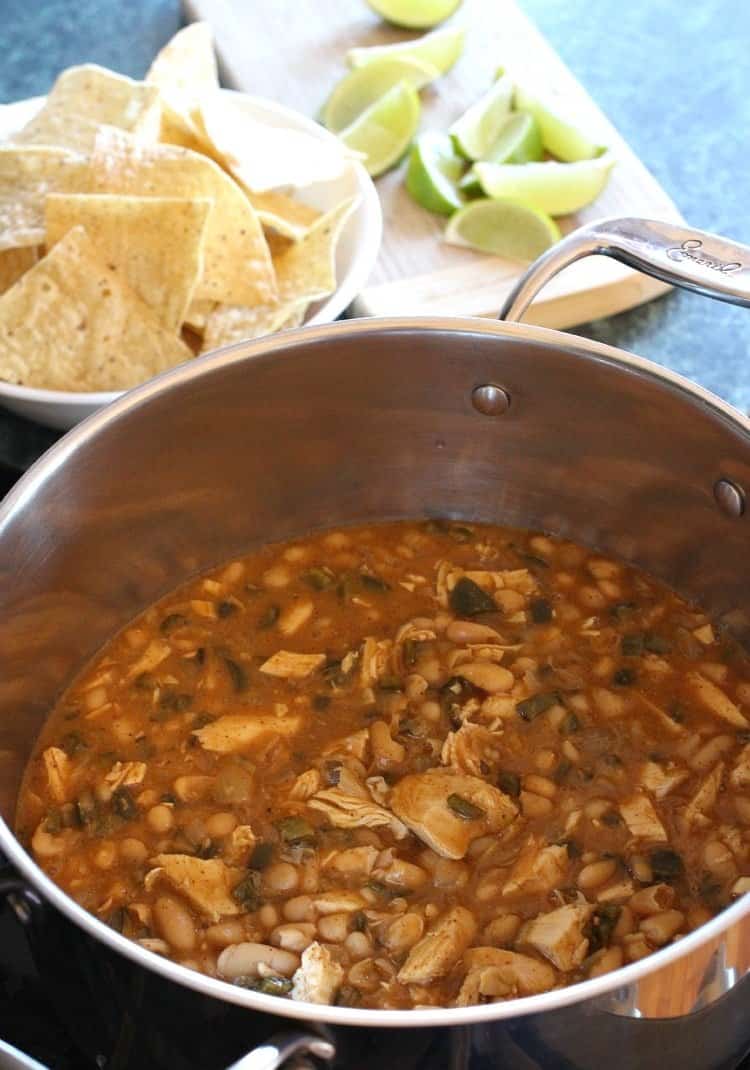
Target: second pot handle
675 254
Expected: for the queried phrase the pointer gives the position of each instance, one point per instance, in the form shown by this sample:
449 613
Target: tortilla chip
105 97
14 263
283 214
237 262
264 157
306 270
185 68
71 323
156 243
232 323
62 130
197 314
27 175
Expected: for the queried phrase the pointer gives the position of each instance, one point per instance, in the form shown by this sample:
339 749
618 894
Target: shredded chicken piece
155 653
471 749
559 936
289 666
305 785
493 971
205 883
349 812
375 659
378 789
713 699
357 744
740 775
318 976
242 840
238 731
421 800
643 823
440 949
538 869
352 862
660 779
697 810
57 768
125 774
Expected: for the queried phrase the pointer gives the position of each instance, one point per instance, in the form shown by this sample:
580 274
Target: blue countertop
673 77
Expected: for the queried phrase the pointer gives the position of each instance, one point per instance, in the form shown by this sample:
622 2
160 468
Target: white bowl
355 255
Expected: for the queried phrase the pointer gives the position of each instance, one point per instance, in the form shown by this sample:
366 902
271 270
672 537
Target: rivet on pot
490 400
729 497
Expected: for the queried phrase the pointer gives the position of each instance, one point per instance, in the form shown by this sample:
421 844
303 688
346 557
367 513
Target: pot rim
258 349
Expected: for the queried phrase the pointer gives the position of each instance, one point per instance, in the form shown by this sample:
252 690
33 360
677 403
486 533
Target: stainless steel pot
369 420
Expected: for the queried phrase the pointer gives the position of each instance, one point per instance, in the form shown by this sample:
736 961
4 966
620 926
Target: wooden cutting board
293 51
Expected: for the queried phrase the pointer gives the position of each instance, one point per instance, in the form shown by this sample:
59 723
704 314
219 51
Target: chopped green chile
319 578
297 757
295 830
172 622
666 865
510 783
269 617
373 583
531 708
467 599
464 808
247 892
540 610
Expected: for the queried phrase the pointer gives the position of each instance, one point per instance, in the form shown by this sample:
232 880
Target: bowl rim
266 347
368 210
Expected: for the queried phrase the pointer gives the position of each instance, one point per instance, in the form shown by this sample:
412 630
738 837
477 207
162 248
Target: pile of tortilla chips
142 223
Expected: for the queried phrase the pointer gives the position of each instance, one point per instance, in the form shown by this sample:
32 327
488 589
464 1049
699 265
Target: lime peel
477 129
519 141
384 130
552 187
414 14
502 228
433 173
364 86
561 137
441 48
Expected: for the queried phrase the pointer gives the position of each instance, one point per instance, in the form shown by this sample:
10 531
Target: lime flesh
414 14
363 86
433 172
479 127
441 48
556 188
519 141
383 132
502 228
560 135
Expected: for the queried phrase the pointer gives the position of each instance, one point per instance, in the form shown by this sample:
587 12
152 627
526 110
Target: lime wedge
560 135
557 188
414 14
365 85
519 141
478 128
434 169
469 185
384 131
440 48
503 228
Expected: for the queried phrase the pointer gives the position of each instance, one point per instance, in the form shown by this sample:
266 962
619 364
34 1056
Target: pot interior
356 423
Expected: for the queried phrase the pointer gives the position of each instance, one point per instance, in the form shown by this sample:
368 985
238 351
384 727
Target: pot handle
692 259
286 1046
